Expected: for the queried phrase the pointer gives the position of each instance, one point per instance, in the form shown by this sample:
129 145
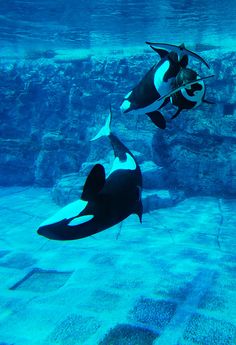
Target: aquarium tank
118 172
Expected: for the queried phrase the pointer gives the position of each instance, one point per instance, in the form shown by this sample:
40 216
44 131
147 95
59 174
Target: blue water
32 25
168 281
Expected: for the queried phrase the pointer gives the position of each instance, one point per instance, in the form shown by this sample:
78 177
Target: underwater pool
128 239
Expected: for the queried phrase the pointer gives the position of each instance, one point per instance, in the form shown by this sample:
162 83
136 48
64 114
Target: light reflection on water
45 24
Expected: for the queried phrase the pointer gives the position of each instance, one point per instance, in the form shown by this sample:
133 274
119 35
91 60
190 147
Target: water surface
27 26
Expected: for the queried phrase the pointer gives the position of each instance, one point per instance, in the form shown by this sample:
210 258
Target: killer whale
189 93
144 97
105 201
149 95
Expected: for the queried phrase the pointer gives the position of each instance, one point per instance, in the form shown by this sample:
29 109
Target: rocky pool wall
51 108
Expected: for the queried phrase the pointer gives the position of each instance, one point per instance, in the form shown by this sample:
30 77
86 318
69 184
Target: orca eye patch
80 220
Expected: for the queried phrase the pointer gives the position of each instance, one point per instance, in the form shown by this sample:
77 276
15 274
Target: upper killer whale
190 96
150 94
105 200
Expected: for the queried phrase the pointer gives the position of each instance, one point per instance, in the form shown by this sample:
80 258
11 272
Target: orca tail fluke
178 49
105 131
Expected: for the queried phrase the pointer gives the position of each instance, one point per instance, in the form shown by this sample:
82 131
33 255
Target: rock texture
50 110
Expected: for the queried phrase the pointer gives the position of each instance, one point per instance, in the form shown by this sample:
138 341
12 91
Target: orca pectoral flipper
158 119
94 183
178 49
184 86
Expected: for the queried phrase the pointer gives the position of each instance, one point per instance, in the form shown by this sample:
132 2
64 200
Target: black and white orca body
189 97
149 96
105 201
157 82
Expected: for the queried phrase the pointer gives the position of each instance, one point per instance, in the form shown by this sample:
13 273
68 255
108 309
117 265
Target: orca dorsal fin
94 183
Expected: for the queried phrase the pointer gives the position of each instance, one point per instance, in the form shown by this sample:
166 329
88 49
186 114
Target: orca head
62 224
53 231
77 219
75 228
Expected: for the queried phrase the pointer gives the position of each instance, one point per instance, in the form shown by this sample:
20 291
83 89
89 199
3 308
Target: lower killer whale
105 201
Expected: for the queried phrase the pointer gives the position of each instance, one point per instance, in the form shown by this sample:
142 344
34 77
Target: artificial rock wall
49 110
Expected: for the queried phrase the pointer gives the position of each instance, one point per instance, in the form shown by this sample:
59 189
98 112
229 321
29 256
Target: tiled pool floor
169 281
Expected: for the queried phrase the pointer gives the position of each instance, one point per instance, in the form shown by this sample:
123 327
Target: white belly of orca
161 87
159 77
67 212
150 108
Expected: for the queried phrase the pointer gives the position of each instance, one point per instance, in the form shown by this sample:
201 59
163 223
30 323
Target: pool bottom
169 281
